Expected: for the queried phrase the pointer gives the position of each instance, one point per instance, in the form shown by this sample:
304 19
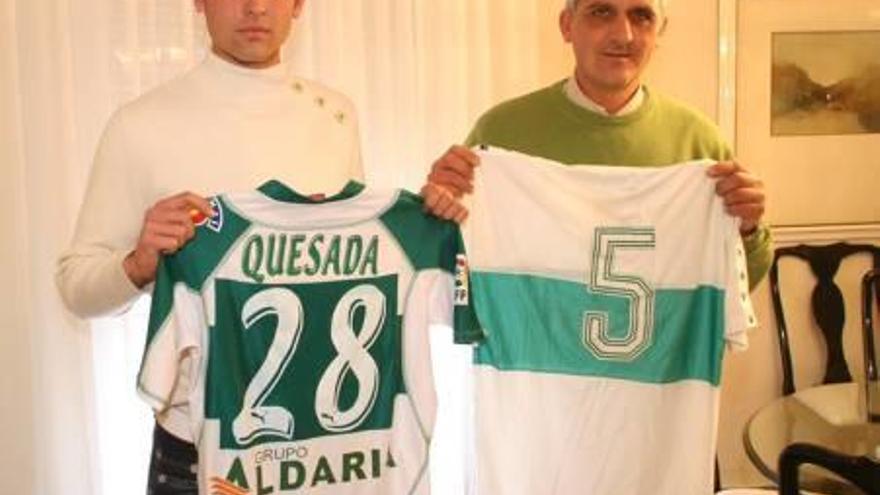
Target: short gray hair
661 6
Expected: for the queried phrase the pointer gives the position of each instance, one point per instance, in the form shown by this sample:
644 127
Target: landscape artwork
825 83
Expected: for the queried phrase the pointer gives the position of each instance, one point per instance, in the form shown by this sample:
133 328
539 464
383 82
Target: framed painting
799 95
825 83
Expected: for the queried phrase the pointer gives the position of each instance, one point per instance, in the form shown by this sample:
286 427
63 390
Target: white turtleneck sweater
219 127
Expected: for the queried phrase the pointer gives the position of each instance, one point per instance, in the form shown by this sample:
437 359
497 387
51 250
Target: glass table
832 416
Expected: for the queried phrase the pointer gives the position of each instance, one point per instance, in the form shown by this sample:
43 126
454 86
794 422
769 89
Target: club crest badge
214 222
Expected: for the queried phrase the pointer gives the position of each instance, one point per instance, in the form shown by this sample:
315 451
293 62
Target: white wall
823 179
685 64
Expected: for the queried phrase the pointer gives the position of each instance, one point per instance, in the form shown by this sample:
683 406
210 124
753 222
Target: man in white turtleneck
234 121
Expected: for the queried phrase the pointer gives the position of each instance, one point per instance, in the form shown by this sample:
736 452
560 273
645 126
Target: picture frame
810 180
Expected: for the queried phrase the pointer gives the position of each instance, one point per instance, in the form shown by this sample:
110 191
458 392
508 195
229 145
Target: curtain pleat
17 426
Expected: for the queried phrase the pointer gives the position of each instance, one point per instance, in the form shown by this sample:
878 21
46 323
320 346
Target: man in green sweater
603 114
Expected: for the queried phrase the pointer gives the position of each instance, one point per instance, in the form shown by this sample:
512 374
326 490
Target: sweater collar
578 112
233 74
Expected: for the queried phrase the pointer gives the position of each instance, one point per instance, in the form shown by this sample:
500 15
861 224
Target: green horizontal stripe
536 324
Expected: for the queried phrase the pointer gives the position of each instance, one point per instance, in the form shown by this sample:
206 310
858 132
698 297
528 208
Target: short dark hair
661 6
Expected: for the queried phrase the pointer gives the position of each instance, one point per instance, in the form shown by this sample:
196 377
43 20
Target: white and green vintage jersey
303 326
606 296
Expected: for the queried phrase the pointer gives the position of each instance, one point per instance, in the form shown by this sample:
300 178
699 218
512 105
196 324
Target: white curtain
420 72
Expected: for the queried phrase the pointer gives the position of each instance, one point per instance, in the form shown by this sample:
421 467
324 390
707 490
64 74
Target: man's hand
442 203
743 193
454 171
168 225
451 176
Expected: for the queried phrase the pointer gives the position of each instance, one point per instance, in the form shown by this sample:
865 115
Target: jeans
173 466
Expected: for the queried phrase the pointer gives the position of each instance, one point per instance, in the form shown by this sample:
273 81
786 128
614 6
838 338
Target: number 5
605 279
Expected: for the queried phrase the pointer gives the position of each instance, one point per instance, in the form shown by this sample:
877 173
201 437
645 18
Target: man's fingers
745 210
186 201
744 195
732 176
748 213
178 231
444 200
456 182
737 184
431 195
461 216
165 244
451 211
442 204
465 154
167 226
169 245
455 170
452 165
166 237
723 168
157 215
737 180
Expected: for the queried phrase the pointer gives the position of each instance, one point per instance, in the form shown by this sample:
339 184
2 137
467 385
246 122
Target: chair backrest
870 297
861 471
826 302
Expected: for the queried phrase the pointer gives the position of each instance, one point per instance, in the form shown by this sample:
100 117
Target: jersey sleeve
466 327
451 303
176 324
739 313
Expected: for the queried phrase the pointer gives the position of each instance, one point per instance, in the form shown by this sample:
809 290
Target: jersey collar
279 191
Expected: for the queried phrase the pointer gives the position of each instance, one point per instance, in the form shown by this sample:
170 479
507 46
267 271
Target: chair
871 285
738 491
861 471
748 491
827 305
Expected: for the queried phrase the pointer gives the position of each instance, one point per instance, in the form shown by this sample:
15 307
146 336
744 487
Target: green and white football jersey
303 327
606 295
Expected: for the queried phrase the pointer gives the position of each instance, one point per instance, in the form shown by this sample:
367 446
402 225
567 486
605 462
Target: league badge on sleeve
215 222
461 280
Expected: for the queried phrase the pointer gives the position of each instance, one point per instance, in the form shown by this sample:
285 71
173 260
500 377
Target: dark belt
176 448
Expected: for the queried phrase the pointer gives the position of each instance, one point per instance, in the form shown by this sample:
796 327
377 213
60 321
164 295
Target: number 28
257 419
